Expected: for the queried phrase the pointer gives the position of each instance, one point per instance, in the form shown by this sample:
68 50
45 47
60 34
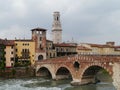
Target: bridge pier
76 82
116 75
84 81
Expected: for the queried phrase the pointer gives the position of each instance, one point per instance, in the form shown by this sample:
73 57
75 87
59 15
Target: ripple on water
18 84
45 84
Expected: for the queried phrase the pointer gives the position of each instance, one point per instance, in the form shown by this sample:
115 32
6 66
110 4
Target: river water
48 84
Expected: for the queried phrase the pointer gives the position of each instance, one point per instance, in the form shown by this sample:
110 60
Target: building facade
102 49
50 50
65 49
25 51
9 53
39 37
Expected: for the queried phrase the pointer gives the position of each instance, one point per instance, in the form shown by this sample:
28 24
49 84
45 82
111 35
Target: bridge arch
63 72
45 70
91 70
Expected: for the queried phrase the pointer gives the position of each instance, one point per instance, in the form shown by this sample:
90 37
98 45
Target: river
48 84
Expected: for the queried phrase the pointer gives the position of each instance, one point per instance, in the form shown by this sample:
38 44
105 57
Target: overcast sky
90 21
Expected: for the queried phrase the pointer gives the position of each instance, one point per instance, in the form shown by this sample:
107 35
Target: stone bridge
82 69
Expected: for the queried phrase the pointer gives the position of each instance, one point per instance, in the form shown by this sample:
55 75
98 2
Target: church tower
56 28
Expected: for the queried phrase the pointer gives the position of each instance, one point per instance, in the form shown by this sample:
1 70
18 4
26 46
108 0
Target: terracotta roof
38 29
1 41
83 48
24 40
100 45
117 48
64 45
49 41
9 42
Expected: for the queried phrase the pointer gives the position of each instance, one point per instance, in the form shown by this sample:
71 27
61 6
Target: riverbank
17 72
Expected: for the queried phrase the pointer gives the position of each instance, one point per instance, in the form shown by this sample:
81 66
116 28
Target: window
66 50
50 55
16 50
54 55
40 57
46 54
57 18
11 52
40 47
57 49
12 64
40 38
12 59
12 47
37 32
22 50
40 32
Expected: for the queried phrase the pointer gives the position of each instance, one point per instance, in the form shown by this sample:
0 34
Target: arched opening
76 65
44 72
63 73
40 57
95 74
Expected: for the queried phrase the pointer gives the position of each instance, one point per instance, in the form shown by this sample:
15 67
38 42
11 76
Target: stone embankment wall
17 72
116 75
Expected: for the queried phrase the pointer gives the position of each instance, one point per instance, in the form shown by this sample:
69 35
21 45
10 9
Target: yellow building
103 49
25 51
9 53
83 50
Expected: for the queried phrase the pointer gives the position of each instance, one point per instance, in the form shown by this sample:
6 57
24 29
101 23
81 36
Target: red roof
49 41
25 40
83 48
100 45
9 42
117 48
64 45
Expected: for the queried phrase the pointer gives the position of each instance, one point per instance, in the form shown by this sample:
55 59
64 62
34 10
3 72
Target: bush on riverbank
18 72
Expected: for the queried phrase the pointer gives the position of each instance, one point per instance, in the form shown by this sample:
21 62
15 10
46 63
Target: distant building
50 50
9 53
102 49
64 49
56 28
2 52
83 50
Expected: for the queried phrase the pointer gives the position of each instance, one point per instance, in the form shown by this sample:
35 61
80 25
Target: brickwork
39 36
85 61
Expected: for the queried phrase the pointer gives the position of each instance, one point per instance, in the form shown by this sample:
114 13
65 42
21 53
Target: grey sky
92 21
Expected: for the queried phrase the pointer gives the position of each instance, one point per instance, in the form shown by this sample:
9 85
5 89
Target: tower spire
56 28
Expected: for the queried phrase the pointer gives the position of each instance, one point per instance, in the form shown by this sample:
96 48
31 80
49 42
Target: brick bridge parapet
85 61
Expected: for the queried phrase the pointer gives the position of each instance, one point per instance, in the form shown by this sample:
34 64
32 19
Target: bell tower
39 37
56 28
